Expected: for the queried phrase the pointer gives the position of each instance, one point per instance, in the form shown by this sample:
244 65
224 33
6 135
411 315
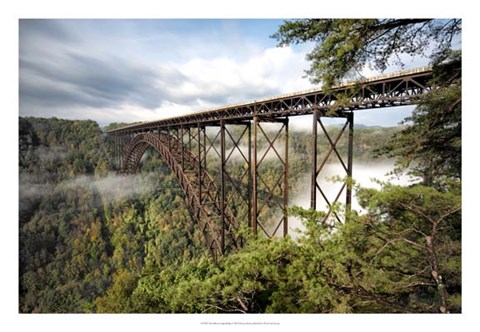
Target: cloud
112 187
144 70
365 174
66 72
224 80
73 79
34 32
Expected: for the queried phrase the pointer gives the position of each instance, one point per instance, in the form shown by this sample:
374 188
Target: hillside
93 241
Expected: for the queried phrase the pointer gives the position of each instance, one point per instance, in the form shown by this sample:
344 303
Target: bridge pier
273 197
222 182
317 167
255 178
348 200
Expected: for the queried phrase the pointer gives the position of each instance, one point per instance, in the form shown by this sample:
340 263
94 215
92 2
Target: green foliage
90 244
266 276
431 146
53 150
344 46
62 235
116 125
118 296
416 234
403 255
83 232
378 262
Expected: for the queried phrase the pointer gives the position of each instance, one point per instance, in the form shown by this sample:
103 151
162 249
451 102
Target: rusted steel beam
313 183
208 211
254 178
347 167
199 164
249 161
222 185
285 183
182 146
274 194
348 201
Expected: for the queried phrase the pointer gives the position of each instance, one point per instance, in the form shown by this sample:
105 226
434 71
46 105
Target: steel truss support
119 143
215 219
348 200
201 164
317 168
270 178
240 175
113 144
222 182
236 173
236 170
227 153
122 147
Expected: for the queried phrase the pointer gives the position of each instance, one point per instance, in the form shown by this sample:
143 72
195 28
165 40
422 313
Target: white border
11 12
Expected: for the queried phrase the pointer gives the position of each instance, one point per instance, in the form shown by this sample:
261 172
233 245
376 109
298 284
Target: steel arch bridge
221 157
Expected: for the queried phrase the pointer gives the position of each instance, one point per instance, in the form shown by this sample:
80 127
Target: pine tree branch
401 22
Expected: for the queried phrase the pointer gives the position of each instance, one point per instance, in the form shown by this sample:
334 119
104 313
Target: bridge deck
387 90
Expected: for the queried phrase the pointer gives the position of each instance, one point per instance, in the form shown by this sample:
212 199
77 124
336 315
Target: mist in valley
365 175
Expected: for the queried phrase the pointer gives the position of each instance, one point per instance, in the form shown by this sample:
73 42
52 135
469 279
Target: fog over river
364 174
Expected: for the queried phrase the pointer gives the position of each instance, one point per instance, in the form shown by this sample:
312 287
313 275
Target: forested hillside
81 226
92 241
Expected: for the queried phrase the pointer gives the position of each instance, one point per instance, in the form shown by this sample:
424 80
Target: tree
431 146
347 45
404 253
118 296
414 236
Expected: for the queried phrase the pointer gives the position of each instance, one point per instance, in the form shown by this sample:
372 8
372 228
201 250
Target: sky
127 70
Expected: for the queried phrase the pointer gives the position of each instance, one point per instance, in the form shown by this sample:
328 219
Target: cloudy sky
142 70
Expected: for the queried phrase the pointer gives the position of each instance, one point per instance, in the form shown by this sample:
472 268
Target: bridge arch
204 203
